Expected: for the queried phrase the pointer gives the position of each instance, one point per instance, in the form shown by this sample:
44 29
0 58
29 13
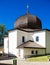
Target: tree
3 32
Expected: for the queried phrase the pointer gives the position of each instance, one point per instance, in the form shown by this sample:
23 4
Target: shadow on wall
11 55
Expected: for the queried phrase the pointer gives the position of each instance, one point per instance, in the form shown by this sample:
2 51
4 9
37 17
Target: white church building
27 38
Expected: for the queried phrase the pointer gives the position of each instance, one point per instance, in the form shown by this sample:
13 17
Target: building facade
27 38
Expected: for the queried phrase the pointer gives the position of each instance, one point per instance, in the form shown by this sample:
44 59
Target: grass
40 58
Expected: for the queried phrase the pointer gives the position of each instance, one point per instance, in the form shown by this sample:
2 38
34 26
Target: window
32 52
23 39
36 52
37 38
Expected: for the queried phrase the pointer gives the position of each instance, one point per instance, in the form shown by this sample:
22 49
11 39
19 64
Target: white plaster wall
42 38
6 45
15 38
19 36
13 42
21 53
48 42
27 52
32 36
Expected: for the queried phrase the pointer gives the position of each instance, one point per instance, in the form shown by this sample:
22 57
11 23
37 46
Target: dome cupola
28 21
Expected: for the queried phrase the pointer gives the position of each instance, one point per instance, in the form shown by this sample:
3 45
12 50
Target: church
27 38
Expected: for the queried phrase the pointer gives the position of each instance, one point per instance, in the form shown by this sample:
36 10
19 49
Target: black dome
28 21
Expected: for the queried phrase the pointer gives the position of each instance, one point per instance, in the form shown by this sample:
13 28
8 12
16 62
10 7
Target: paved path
22 62
6 62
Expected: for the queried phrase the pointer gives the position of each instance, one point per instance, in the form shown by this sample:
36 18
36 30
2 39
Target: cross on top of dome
28 21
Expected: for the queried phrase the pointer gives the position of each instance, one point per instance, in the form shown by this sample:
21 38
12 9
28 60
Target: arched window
37 38
36 52
32 52
23 39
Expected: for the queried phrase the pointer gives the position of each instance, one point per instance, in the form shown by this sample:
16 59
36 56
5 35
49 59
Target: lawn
40 58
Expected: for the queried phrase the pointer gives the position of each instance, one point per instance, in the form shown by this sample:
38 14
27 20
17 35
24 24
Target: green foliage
3 32
40 58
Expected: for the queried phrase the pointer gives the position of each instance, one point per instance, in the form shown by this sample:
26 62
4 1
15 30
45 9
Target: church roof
29 30
30 44
28 21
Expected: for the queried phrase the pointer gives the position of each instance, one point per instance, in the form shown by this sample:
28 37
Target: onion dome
28 21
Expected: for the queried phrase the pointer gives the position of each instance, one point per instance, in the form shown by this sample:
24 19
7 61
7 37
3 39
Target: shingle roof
30 44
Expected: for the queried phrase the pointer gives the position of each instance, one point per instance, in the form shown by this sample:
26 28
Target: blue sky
10 10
